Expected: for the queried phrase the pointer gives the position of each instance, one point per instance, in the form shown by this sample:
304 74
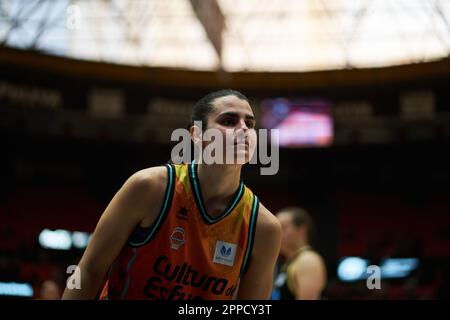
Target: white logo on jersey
225 253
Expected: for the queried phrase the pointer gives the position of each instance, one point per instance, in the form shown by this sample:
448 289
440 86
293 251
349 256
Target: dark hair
205 105
301 217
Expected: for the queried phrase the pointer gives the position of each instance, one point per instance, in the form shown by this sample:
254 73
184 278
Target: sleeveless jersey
186 254
283 288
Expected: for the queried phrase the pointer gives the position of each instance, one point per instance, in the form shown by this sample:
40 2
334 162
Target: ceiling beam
213 21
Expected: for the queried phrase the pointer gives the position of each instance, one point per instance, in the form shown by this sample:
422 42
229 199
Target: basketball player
188 231
303 274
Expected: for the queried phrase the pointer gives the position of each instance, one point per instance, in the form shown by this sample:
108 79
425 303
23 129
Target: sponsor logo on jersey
225 253
173 282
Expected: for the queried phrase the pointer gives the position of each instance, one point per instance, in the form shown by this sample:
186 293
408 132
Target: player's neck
294 250
219 182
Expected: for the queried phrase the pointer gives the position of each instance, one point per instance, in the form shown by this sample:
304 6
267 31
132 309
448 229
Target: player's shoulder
144 191
149 175
148 181
267 223
268 234
310 258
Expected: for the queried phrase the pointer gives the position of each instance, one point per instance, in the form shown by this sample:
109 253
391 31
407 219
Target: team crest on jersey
177 238
225 253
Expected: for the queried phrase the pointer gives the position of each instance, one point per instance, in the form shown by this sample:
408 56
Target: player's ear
196 134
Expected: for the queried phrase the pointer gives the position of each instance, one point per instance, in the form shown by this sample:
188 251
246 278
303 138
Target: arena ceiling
233 35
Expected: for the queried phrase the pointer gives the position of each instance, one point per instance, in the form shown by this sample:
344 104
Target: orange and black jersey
186 253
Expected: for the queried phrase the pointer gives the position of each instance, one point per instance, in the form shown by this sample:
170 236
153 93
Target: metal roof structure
233 35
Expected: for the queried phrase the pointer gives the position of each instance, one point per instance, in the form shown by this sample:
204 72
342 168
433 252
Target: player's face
234 118
289 232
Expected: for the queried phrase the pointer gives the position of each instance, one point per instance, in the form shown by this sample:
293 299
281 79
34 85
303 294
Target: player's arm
257 282
138 200
309 276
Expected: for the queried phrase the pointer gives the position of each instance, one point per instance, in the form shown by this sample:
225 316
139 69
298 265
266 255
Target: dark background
373 200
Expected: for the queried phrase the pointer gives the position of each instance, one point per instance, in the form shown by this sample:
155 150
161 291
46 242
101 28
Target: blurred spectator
50 290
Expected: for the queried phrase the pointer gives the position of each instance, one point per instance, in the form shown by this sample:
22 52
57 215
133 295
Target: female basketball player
189 231
303 276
